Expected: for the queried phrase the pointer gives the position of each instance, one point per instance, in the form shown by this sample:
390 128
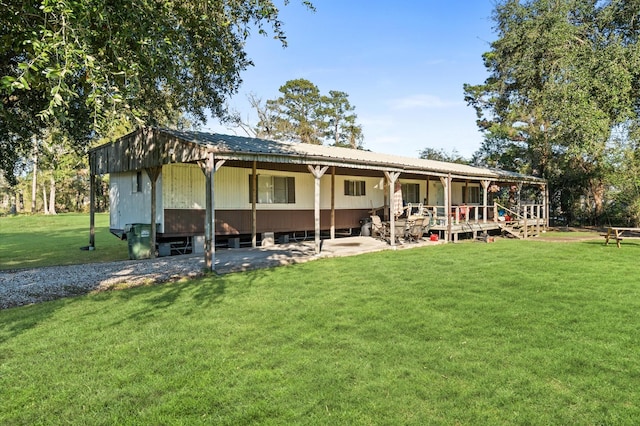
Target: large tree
303 114
296 114
79 64
562 75
342 128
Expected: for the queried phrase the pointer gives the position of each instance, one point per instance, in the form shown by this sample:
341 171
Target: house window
471 194
354 188
274 189
411 192
136 182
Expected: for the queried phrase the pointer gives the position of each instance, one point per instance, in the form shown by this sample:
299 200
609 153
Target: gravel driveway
26 286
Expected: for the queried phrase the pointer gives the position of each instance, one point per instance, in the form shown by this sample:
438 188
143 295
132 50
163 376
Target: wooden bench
614 232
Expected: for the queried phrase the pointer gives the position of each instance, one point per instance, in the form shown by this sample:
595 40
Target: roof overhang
153 147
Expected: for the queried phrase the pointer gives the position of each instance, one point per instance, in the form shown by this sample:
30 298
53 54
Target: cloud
423 101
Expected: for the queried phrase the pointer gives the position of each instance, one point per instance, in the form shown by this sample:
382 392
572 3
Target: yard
514 332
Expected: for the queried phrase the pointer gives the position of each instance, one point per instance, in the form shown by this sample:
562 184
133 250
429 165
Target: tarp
397 205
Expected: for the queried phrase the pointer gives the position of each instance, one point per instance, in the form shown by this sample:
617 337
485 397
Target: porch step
516 229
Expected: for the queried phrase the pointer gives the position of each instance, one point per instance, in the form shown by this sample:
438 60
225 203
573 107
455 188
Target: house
215 187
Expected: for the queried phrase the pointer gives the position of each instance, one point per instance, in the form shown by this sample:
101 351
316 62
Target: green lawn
515 332
32 241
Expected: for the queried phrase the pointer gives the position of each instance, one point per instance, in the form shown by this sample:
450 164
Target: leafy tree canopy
78 64
442 155
562 75
302 114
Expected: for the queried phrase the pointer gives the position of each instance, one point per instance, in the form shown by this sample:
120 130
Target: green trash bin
139 240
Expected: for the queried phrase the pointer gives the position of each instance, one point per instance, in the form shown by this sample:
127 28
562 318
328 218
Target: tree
296 114
266 121
563 74
341 121
302 114
79 65
441 155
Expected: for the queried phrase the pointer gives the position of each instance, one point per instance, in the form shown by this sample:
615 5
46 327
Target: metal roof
244 148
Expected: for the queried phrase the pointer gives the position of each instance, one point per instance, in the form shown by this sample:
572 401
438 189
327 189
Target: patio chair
416 229
379 228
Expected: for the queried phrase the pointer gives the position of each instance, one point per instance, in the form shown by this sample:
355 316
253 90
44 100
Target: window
136 182
354 187
274 189
471 195
411 192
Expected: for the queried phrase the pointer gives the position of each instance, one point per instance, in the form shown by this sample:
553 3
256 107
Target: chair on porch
416 229
379 228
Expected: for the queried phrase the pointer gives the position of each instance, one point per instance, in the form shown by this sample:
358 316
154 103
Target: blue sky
402 63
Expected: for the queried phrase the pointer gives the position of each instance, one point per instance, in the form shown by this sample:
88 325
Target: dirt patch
566 234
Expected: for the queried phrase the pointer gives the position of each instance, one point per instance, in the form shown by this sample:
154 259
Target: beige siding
183 187
232 189
457 189
374 193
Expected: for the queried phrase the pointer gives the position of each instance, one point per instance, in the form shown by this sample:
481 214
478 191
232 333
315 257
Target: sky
403 64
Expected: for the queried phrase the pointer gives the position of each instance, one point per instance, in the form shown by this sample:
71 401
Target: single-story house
208 187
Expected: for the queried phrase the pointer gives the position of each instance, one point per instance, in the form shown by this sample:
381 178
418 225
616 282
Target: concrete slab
296 252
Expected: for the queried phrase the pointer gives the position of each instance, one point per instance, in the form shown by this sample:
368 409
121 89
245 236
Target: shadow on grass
190 296
14 322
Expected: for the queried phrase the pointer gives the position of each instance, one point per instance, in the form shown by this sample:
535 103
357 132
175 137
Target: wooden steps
521 228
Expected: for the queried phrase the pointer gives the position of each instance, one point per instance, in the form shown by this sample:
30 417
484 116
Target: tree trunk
44 199
52 196
598 193
34 181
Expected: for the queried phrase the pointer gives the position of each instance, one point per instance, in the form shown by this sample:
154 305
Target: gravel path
28 286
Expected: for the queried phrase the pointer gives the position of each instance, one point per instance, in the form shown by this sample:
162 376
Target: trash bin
365 229
139 240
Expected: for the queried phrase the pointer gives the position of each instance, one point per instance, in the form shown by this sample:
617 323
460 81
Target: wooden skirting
236 222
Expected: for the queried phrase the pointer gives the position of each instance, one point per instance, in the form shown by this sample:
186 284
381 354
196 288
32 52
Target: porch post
485 198
392 177
317 173
333 202
209 226
209 166
449 205
254 200
545 206
153 173
446 184
426 200
92 209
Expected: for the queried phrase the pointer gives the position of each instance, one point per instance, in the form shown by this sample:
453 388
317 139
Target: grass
33 241
515 332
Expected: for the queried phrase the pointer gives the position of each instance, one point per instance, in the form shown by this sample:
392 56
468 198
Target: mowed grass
515 332
32 241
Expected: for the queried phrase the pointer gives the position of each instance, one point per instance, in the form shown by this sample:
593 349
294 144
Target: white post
485 199
209 166
445 181
317 173
392 177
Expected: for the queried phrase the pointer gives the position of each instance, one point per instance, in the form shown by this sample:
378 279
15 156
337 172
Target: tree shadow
17 320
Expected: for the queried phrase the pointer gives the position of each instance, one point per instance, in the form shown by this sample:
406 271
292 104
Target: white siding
127 206
374 193
183 187
232 189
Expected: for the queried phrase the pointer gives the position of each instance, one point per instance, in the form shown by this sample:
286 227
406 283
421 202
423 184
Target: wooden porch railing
527 220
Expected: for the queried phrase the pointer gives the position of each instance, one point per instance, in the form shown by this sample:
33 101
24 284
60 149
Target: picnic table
614 232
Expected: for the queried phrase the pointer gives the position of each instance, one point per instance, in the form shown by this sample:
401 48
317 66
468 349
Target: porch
523 221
